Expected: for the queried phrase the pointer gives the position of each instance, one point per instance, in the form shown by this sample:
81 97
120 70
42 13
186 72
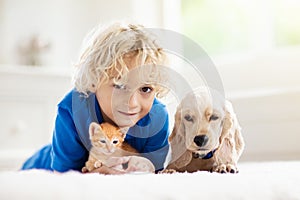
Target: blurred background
254 44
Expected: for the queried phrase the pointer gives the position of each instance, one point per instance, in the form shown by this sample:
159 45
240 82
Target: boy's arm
68 153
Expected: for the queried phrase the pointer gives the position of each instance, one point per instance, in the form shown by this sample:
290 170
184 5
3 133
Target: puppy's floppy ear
231 128
180 156
177 129
94 127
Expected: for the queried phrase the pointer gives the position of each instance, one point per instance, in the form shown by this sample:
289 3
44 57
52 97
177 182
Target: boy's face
124 103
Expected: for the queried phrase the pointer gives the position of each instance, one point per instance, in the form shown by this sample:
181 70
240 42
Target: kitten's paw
98 164
84 170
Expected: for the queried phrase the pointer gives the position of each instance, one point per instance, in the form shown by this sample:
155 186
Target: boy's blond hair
103 56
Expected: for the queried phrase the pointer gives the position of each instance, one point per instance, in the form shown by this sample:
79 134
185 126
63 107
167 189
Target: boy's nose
133 100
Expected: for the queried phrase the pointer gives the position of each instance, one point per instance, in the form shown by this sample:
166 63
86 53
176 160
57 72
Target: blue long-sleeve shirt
70 145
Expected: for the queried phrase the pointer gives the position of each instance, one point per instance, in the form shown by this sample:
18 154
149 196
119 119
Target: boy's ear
124 131
94 127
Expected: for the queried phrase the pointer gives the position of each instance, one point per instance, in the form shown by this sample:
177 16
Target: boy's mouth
129 114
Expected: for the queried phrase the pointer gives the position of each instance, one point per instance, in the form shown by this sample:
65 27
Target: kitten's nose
109 149
201 140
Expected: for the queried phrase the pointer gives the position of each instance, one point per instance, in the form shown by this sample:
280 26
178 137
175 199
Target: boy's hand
139 164
123 165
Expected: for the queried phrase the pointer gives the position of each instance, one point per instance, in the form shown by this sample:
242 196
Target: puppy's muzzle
200 140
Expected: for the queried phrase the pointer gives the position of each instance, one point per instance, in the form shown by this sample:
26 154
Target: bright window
235 26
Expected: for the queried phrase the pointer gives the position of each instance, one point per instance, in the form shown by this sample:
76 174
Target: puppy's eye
213 117
188 118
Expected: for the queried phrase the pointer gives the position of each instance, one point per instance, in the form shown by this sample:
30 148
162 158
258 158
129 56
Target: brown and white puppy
206 134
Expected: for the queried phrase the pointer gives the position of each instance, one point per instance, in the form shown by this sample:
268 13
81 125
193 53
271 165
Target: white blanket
268 180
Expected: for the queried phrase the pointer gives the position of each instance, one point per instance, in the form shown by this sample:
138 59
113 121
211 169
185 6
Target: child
117 81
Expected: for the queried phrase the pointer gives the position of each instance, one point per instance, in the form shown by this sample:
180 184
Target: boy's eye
119 86
146 89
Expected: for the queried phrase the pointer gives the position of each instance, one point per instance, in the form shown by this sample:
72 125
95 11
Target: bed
256 180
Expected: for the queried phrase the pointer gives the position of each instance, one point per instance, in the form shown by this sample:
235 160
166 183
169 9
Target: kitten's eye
213 118
119 86
102 141
115 141
146 89
188 118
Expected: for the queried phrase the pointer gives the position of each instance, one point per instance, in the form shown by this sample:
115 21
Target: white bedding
264 180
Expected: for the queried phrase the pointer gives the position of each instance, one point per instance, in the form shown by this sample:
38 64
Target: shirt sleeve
68 153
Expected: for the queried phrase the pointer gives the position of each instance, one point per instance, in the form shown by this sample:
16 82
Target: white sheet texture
264 180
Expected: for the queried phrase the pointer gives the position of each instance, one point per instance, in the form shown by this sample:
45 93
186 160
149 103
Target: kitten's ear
124 130
94 127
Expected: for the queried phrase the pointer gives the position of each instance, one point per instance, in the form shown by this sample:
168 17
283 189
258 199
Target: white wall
28 99
64 23
265 91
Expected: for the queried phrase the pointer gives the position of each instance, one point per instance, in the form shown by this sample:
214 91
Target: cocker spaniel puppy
206 134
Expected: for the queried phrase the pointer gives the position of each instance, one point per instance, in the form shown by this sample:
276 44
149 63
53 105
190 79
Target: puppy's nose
201 140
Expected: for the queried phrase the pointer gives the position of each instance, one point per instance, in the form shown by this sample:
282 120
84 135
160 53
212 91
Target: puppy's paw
232 168
225 168
167 171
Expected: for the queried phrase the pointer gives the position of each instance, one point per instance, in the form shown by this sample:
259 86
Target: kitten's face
105 137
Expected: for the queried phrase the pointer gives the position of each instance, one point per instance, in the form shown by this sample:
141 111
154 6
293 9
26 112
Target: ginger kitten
107 141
